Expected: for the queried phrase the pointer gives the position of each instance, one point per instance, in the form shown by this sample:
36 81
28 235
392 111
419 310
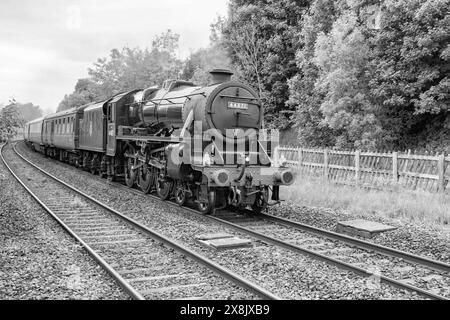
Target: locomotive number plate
237 105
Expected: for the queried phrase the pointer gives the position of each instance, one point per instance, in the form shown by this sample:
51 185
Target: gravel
437 282
290 275
38 260
143 255
427 240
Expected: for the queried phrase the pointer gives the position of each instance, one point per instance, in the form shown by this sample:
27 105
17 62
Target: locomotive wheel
163 188
260 203
180 196
130 175
102 170
207 207
146 179
94 165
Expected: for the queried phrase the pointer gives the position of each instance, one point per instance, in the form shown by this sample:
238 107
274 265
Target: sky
47 45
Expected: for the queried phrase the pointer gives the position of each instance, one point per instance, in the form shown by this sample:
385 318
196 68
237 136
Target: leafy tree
382 88
127 69
262 38
409 71
200 62
28 111
85 91
341 57
303 94
10 122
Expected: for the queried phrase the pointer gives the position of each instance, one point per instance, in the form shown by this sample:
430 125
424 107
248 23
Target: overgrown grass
401 204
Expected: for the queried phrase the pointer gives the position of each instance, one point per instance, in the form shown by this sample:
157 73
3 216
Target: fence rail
372 169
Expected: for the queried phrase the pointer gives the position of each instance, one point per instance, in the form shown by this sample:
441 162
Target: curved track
327 252
126 249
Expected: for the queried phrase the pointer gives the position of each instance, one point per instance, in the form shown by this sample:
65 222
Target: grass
400 204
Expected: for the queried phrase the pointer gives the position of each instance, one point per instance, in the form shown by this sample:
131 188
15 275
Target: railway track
342 251
129 251
362 257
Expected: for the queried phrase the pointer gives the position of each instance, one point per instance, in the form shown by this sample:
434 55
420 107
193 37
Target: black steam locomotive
182 141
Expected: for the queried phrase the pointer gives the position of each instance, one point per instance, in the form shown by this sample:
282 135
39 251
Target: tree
341 57
262 38
303 94
28 111
409 71
127 69
86 91
200 62
10 121
248 49
383 87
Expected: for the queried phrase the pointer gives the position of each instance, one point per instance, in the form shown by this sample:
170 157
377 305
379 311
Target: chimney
220 75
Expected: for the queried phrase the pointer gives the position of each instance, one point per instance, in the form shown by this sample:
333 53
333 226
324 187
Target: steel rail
324 258
113 273
291 247
433 264
298 249
215 267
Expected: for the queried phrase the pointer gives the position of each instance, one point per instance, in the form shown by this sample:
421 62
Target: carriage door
52 131
111 130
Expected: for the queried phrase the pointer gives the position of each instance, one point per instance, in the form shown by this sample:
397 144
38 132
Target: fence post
325 164
395 167
357 166
300 160
441 172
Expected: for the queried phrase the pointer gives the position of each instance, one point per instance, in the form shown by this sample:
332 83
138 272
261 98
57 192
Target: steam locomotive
185 142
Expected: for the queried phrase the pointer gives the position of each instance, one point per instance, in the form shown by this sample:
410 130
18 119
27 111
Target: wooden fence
371 169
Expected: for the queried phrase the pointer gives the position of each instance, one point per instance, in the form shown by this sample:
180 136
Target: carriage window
110 112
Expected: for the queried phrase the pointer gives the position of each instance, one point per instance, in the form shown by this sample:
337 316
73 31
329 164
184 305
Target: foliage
365 87
322 67
28 111
10 121
85 91
200 62
128 69
302 91
410 68
262 38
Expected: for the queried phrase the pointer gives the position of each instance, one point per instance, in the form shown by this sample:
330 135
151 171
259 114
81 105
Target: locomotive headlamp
221 177
285 177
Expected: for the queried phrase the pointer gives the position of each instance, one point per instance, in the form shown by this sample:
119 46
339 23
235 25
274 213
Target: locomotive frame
174 141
